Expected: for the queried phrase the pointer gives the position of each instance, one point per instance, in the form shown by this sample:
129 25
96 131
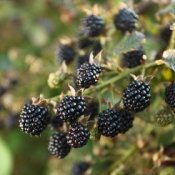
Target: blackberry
87 75
132 58
170 95
77 136
97 47
71 108
136 97
80 168
58 145
164 117
34 119
166 33
114 121
66 53
92 26
125 20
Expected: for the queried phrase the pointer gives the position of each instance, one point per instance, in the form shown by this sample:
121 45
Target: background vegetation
29 34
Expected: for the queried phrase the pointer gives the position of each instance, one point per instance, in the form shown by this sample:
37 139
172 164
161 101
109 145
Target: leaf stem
123 75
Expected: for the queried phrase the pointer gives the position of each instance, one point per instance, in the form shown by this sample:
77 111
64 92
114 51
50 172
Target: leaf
129 42
5 159
5 63
169 58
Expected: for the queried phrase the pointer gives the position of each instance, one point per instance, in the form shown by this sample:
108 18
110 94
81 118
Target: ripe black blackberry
78 135
136 97
34 119
71 108
58 145
133 58
66 53
87 75
170 95
125 20
114 121
80 168
92 26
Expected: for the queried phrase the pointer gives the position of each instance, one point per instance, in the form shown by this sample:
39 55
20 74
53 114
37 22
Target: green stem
123 160
117 78
123 75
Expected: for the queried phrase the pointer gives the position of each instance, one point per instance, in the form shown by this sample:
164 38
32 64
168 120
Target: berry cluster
73 112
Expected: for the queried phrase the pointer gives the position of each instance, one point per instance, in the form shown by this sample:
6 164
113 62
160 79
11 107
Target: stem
172 41
117 78
123 160
123 74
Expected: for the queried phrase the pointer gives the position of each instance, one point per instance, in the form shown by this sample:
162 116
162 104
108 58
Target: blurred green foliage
29 33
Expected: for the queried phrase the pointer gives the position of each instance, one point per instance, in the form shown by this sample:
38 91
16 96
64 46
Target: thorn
72 90
91 58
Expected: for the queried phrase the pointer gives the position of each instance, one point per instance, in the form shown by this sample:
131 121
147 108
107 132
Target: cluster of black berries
136 97
92 26
70 132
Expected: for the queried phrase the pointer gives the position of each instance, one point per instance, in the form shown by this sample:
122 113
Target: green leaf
129 42
5 159
169 58
5 63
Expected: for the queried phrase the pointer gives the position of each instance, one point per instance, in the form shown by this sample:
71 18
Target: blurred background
29 34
